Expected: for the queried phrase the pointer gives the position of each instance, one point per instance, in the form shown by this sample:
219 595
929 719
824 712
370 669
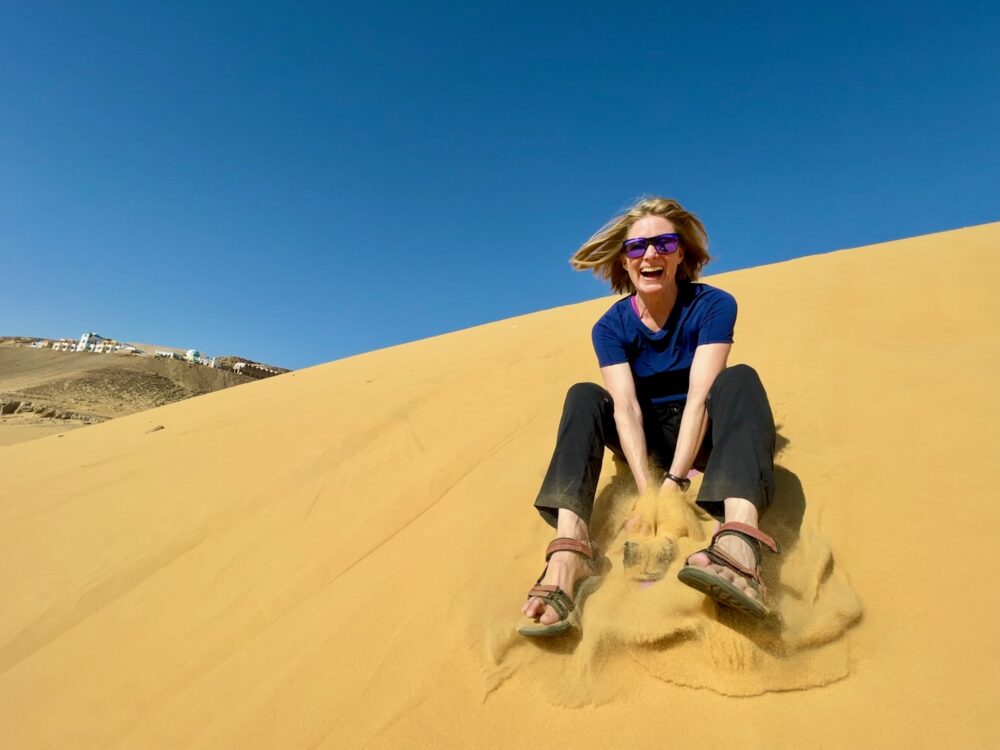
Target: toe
700 559
723 572
533 608
549 617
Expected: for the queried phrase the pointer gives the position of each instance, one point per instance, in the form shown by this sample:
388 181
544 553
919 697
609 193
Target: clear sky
300 182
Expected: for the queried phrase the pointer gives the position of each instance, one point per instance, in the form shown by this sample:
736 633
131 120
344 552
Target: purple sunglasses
664 244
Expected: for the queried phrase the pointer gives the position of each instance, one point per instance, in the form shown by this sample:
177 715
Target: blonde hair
602 252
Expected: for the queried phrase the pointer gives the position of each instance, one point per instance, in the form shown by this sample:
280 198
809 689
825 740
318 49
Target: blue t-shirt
661 361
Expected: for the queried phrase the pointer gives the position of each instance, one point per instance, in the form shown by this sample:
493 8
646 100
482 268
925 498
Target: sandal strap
565 544
752 577
750 531
720 557
555 597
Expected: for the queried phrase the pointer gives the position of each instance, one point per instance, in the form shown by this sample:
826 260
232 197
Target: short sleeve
719 323
609 347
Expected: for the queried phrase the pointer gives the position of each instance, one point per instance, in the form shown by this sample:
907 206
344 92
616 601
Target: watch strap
681 482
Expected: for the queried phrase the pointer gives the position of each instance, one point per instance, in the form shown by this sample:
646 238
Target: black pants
737 454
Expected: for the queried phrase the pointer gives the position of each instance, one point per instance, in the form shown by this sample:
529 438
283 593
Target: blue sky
298 183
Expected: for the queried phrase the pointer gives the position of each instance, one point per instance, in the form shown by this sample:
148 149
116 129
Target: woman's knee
739 377
586 396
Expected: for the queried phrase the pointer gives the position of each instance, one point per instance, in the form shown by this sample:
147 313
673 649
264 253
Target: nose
650 252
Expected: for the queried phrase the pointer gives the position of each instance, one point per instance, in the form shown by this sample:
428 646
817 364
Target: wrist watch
679 481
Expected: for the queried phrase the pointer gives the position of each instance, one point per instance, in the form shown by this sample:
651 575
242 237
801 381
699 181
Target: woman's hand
662 512
669 488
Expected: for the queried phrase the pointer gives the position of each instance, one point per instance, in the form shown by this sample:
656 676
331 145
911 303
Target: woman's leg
741 462
739 475
587 427
566 498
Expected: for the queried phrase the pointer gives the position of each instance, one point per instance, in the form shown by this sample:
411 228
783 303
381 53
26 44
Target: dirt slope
43 391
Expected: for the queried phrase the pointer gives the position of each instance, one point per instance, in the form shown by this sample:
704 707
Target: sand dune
335 557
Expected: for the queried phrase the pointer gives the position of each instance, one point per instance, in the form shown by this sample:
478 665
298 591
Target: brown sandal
567 608
725 591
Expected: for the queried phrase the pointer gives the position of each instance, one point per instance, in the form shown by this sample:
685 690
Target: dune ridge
335 557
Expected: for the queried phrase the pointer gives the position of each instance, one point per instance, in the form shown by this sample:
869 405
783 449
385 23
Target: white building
254 370
89 341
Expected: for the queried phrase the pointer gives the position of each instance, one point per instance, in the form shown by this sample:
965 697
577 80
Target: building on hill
89 341
254 370
191 355
94 342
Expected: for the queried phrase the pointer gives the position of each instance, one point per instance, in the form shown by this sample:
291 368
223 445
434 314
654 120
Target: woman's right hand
641 518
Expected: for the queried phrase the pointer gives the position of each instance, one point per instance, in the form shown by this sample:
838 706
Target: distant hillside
254 369
42 391
17 340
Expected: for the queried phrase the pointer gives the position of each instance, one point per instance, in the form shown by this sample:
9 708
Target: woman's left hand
669 488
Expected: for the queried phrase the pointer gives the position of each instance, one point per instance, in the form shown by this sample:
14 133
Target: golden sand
336 557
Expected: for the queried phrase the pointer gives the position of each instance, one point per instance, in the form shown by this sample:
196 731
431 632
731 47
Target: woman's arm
709 361
628 419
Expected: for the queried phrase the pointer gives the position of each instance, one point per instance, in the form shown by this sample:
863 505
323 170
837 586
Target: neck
658 306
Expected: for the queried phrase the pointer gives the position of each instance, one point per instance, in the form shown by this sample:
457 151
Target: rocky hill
42 391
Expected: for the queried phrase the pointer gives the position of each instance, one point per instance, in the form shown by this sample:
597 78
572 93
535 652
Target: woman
669 404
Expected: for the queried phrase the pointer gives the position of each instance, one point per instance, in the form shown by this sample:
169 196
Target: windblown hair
603 252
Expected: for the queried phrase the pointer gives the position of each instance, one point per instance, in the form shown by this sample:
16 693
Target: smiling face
652 273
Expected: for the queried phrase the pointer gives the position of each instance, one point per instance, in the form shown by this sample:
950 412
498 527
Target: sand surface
14 429
336 557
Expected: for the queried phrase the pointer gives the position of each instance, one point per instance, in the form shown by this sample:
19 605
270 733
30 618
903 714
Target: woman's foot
564 570
741 551
729 569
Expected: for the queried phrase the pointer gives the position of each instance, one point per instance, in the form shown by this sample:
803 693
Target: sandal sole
722 591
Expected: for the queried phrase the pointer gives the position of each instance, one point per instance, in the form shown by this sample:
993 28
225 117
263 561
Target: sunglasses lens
665 244
635 248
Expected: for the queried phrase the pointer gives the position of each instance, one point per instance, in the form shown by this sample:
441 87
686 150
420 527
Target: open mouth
651 273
